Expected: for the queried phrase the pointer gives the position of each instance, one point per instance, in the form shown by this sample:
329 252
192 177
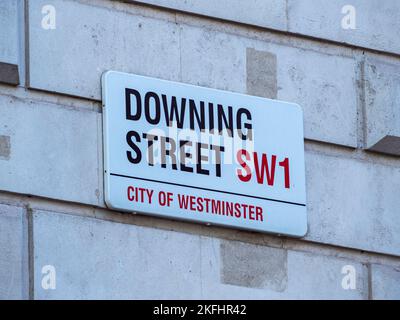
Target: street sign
211 156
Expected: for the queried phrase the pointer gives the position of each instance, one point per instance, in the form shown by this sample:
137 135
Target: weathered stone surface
353 203
385 282
261 71
325 87
274 273
9 32
5 147
377 23
13 253
269 14
49 150
9 73
382 91
71 58
245 265
321 277
97 259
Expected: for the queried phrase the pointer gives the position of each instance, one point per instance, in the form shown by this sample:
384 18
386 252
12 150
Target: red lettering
139 194
285 165
192 203
265 169
259 214
130 192
239 156
183 201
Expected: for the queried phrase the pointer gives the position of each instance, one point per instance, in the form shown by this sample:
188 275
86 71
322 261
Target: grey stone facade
52 209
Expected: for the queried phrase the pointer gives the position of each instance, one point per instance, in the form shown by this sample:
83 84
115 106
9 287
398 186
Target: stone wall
52 209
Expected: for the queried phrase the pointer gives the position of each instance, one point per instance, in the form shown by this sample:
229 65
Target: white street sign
215 157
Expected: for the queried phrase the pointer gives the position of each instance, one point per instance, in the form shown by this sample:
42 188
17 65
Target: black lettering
228 122
200 118
154 96
131 158
173 110
150 148
183 155
211 117
128 107
168 152
247 125
200 158
218 160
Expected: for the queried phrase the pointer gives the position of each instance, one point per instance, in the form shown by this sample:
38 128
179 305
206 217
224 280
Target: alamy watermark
350 277
349 19
49 17
49 277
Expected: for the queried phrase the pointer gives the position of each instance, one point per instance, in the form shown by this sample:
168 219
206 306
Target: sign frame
298 229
